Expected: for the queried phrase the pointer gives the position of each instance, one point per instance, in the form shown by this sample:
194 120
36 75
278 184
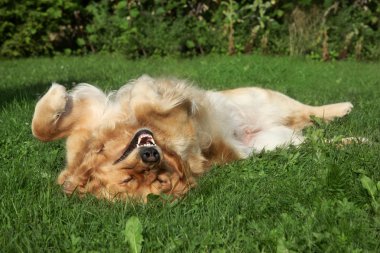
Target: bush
320 29
42 27
147 28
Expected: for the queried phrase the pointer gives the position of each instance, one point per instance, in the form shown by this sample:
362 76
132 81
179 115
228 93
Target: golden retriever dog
157 136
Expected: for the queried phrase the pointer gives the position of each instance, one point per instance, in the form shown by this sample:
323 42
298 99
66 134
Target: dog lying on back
156 136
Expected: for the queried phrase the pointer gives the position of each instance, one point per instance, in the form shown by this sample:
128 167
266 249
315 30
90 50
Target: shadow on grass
31 92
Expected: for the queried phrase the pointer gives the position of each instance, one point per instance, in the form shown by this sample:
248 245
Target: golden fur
156 136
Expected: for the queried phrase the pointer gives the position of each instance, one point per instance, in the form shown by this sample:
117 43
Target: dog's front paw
47 112
56 98
52 105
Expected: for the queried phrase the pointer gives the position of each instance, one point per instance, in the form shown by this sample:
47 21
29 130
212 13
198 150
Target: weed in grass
373 190
133 234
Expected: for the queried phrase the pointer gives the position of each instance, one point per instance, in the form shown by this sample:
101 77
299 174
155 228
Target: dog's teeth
145 140
148 145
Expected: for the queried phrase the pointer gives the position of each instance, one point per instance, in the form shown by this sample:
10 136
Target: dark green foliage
319 29
30 28
146 28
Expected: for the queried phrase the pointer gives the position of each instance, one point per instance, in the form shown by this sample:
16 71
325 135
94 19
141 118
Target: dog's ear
59 113
79 180
174 164
181 178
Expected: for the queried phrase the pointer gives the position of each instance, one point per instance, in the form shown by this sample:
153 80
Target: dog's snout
150 155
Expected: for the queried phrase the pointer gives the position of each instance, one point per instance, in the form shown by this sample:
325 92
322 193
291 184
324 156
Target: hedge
321 30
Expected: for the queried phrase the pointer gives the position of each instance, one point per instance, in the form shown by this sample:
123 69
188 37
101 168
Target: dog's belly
249 122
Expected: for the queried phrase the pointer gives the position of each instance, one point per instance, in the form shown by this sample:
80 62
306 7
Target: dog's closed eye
127 180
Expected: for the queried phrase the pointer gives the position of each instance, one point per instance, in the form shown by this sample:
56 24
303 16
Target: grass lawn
315 198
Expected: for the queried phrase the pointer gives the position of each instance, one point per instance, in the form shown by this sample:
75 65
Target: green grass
306 199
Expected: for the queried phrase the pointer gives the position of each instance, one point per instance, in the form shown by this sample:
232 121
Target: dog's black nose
150 155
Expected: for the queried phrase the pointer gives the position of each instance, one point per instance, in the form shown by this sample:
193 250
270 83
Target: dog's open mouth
142 138
145 139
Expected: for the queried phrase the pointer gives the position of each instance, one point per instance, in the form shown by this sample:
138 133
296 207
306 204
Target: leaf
81 42
190 44
134 13
160 11
133 234
369 185
74 240
121 5
281 247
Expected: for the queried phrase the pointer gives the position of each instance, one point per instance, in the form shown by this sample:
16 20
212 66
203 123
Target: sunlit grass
306 199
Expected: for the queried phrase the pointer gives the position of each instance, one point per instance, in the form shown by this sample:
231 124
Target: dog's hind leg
267 108
331 111
302 116
297 115
269 119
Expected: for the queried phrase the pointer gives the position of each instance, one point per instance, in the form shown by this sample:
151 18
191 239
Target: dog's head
132 160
